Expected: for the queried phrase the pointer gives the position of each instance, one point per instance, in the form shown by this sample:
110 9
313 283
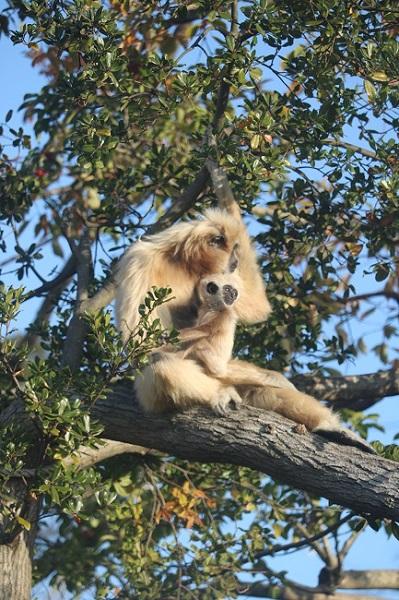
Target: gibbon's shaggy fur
180 257
205 351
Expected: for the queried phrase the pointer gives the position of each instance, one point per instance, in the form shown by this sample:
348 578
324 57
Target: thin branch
343 553
88 457
307 541
67 271
44 312
76 329
351 147
385 293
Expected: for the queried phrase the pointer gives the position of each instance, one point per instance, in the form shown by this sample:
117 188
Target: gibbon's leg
304 409
171 382
240 372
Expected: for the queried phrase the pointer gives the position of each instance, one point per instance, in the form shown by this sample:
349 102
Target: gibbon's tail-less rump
178 258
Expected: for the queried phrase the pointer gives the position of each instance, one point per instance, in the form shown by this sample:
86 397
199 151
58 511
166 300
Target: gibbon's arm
253 305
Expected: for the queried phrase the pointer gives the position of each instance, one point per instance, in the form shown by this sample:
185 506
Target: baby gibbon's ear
233 260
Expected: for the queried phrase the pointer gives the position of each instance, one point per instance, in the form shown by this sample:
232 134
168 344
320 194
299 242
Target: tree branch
357 392
88 457
358 149
258 439
263 441
67 271
373 579
282 592
305 542
76 329
390 295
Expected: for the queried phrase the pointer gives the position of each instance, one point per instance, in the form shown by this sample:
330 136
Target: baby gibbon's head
211 244
218 292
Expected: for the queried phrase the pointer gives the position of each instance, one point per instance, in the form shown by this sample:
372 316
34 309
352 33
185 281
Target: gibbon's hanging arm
223 191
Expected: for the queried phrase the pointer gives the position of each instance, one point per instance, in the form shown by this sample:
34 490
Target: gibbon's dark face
218 292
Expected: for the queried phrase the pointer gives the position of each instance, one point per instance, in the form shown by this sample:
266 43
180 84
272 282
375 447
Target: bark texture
378 579
357 392
264 441
16 547
16 569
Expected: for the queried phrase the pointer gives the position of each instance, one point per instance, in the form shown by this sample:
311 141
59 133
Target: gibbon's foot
347 437
228 399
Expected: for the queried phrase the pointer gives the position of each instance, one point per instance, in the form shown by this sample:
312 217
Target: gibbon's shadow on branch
211 266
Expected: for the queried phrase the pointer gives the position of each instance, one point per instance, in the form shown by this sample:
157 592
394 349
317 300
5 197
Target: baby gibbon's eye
217 240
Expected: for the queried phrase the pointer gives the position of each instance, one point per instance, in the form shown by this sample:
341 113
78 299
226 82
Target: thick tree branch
263 441
357 392
258 439
373 579
281 592
357 580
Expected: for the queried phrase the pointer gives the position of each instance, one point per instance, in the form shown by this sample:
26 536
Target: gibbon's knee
294 405
171 382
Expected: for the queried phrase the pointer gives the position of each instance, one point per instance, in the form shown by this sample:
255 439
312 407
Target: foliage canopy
302 98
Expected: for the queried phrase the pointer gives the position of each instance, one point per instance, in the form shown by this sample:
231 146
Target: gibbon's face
212 246
218 292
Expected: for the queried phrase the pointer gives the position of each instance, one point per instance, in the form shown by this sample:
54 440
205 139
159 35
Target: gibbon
179 378
202 372
179 258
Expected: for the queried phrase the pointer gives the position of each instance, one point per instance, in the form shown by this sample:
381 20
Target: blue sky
373 550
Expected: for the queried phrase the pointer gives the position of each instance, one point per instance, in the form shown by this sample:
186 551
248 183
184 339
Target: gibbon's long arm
253 305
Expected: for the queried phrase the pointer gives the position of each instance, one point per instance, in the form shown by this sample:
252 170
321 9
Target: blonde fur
178 258
187 376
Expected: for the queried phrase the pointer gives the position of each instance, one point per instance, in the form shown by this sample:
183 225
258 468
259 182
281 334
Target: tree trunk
16 569
16 543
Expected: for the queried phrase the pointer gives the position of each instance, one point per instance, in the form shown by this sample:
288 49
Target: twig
76 330
305 542
352 147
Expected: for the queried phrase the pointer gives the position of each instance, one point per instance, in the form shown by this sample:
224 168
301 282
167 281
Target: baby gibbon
179 378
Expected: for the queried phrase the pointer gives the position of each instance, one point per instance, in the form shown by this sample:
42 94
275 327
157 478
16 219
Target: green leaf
23 522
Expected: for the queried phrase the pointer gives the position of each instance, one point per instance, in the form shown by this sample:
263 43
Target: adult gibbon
201 372
179 258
